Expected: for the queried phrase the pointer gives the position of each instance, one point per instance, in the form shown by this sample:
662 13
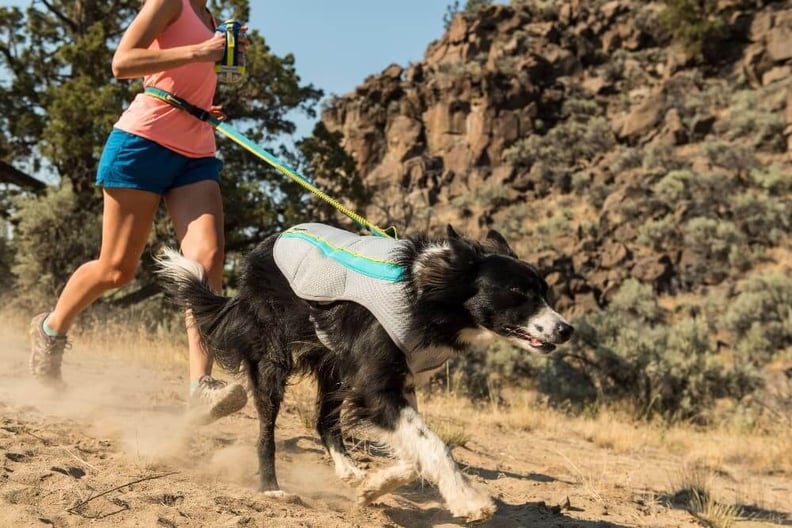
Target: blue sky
337 44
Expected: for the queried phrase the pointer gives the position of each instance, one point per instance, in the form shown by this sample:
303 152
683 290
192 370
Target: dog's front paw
475 507
366 493
482 514
351 475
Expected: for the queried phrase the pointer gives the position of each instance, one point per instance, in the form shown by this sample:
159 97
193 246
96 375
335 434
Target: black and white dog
446 294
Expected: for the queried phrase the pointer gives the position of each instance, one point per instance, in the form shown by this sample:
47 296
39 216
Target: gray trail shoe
214 398
46 353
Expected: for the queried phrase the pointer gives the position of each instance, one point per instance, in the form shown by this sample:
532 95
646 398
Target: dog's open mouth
535 342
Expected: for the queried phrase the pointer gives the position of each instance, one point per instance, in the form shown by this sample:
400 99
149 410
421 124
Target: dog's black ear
498 243
452 233
447 266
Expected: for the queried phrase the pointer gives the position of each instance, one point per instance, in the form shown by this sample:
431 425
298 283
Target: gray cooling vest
326 264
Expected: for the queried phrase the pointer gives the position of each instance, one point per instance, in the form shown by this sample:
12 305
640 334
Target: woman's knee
119 274
212 258
209 256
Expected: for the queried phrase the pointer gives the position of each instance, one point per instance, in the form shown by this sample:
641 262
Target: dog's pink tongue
536 342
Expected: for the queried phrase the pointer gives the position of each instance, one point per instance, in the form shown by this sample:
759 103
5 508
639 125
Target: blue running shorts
133 162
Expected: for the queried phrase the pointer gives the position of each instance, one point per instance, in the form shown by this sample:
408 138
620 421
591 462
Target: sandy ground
115 450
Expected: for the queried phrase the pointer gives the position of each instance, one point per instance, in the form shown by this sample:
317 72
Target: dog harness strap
326 264
377 268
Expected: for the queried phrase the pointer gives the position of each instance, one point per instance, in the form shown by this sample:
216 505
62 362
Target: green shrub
628 158
637 354
756 118
760 316
661 234
54 235
695 24
455 7
774 179
637 300
674 186
566 145
764 219
720 242
659 157
737 158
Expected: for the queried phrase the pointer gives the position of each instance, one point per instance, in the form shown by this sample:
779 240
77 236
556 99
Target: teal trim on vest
385 270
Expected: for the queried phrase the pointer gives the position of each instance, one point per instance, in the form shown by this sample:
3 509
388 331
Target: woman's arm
134 59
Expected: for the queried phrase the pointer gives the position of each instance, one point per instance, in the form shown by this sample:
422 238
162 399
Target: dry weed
693 491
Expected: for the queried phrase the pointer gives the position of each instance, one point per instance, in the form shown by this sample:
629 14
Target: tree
333 170
61 101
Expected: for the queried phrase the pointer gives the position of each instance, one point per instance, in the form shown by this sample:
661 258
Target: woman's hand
217 112
210 50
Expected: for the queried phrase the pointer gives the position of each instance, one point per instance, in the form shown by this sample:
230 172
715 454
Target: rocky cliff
592 139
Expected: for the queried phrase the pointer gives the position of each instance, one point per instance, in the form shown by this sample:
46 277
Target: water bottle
231 68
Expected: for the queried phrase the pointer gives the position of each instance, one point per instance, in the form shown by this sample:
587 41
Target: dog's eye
518 291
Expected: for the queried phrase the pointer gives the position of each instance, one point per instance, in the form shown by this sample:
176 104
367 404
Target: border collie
451 293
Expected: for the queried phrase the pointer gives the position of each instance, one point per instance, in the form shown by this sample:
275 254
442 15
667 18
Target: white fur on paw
281 495
478 507
352 475
482 514
366 494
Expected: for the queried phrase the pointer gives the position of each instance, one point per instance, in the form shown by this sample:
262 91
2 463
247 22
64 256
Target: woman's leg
196 211
126 223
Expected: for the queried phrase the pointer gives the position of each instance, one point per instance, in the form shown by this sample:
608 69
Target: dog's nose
564 331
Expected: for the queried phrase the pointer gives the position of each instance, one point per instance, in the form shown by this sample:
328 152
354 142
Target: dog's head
501 294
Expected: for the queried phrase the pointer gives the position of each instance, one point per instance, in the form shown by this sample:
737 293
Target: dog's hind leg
328 425
268 382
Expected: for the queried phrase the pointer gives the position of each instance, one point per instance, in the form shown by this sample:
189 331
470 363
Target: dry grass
694 492
453 434
106 339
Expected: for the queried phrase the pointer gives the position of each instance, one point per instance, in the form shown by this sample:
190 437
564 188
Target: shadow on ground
534 514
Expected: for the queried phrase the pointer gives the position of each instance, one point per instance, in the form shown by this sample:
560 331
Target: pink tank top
162 123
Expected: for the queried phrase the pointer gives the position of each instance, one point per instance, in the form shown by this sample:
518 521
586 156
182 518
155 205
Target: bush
760 316
720 242
455 7
756 118
636 354
54 235
695 24
734 157
660 234
566 145
764 218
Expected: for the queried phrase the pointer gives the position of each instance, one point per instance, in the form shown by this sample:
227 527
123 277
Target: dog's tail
186 284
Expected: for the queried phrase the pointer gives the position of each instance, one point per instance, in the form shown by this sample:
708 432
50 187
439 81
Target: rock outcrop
556 125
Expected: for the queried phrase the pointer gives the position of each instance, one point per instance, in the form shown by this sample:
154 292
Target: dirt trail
116 451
